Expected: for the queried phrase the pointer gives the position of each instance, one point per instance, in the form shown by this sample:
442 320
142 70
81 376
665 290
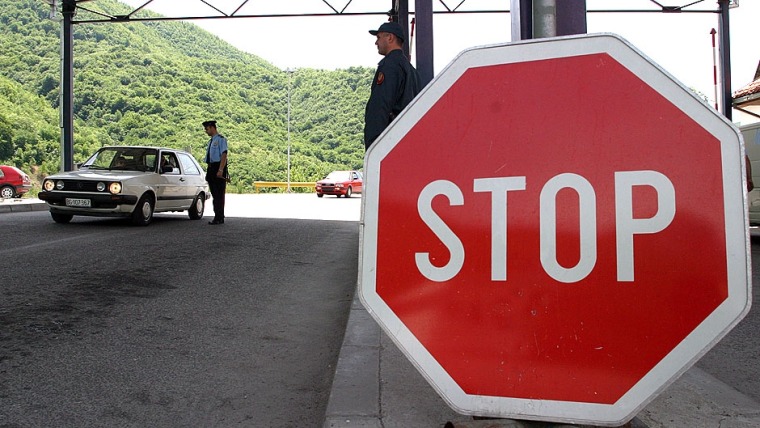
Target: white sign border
722 320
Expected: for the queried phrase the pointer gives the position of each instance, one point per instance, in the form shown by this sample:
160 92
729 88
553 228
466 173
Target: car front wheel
7 192
319 195
196 210
61 218
348 192
143 213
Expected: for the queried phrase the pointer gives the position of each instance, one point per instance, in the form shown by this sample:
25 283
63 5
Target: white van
751 134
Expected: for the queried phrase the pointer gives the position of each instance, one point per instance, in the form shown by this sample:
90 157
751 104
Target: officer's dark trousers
218 187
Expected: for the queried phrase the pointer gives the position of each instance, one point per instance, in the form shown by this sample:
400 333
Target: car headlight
59 184
48 185
101 186
114 188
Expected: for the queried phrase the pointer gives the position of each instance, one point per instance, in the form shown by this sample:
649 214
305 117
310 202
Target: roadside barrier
281 184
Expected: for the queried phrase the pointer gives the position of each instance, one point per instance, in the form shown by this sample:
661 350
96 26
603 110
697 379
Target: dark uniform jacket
396 84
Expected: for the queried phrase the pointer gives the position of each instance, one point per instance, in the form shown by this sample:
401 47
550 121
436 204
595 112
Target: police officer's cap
390 27
208 123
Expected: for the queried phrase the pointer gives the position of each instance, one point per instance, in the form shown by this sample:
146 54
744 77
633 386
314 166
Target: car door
193 176
170 192
356 181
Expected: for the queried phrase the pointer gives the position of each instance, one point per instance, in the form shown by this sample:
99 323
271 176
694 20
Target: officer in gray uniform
216 173
396 82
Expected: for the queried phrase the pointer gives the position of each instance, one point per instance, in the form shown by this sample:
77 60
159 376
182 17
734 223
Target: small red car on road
339 183
13 182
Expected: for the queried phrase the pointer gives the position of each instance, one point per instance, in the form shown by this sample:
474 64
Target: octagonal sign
555 230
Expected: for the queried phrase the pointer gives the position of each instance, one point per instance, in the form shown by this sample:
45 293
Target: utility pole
289 71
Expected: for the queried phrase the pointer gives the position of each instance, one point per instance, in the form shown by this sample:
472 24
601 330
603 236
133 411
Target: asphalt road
175 324
185 324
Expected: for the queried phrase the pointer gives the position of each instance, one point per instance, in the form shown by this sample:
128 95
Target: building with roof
746 101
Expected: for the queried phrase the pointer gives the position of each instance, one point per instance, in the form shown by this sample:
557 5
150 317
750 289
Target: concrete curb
355 394
374 387
21 205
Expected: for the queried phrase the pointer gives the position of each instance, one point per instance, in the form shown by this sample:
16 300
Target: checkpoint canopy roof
97 11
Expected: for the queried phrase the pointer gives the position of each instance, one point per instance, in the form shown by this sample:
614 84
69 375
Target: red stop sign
555 230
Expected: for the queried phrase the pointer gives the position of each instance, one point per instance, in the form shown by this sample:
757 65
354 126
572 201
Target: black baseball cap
390 27
209 123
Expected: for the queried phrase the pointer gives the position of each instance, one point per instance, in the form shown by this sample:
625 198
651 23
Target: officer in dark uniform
396 82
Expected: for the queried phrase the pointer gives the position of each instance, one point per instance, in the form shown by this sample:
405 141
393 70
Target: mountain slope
155 82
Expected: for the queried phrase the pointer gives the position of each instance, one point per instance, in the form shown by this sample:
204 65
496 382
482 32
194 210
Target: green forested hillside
154 83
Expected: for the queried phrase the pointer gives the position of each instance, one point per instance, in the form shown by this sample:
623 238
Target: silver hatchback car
128 181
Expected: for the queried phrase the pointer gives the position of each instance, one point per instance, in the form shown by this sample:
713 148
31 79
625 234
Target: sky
680 43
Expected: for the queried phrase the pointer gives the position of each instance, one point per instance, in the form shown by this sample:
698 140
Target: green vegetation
153 83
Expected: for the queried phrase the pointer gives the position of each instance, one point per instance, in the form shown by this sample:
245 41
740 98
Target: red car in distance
340 183
13 182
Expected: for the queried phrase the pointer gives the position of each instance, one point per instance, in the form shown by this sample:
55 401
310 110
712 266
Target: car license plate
73 202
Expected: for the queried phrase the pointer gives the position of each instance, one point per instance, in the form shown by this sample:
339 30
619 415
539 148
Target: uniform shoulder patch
380 78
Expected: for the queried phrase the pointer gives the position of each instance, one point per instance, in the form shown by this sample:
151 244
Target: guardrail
281 184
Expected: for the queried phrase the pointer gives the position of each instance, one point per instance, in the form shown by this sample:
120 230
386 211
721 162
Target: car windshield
338 176
123 159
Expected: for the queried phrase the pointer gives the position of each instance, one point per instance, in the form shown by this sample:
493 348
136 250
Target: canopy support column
67 85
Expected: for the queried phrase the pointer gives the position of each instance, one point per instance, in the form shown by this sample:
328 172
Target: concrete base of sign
376 386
